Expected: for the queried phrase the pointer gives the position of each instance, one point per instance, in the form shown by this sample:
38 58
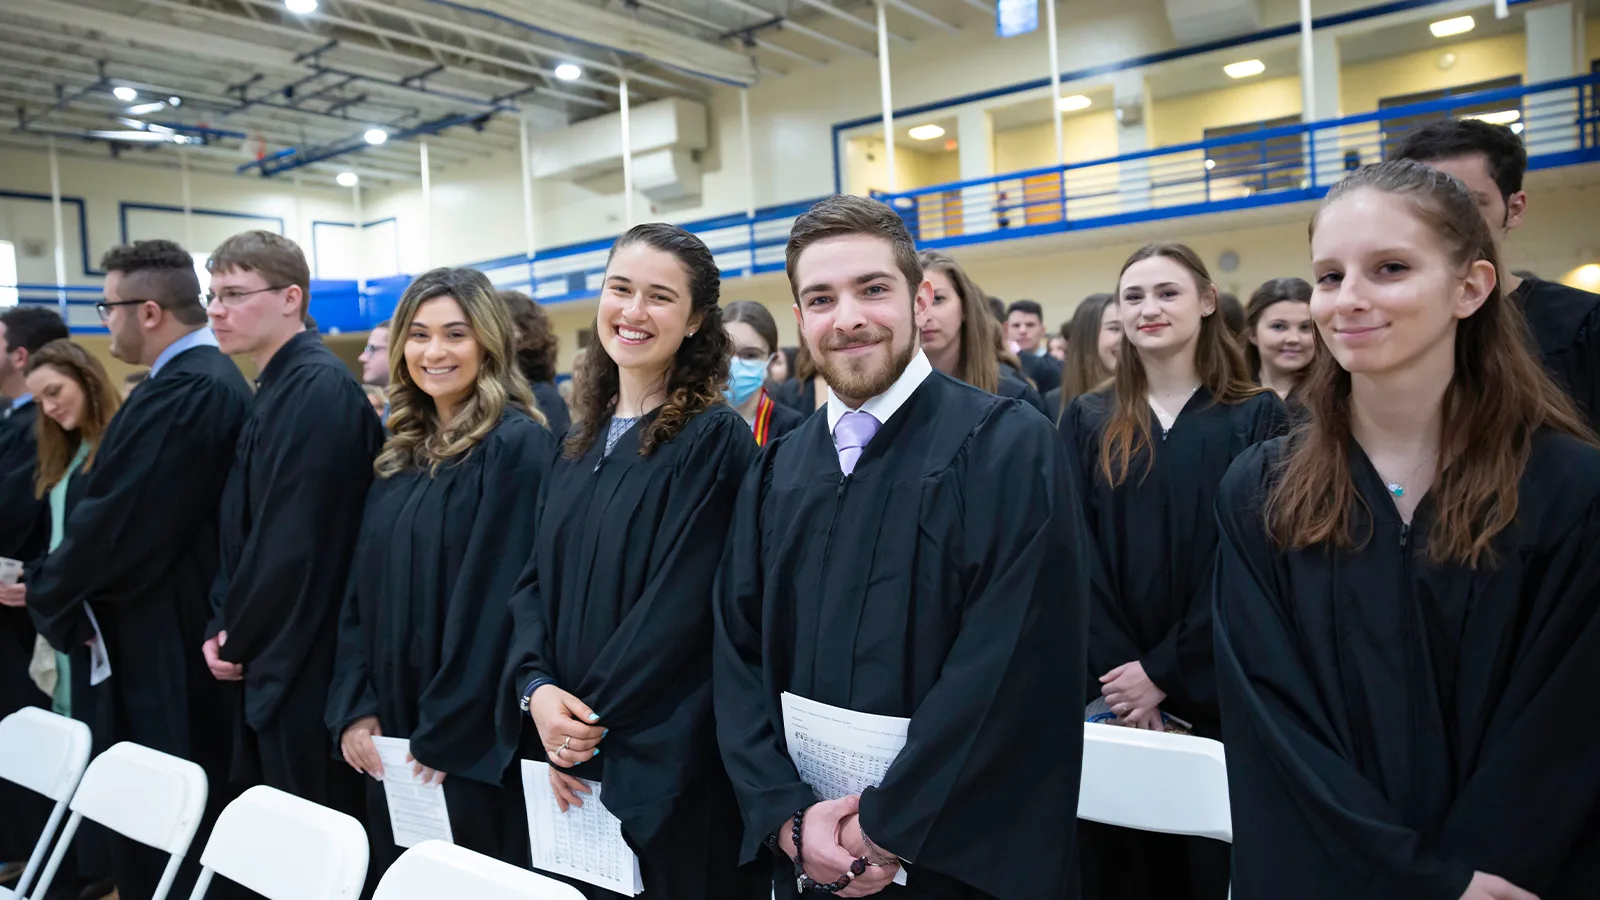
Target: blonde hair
417 439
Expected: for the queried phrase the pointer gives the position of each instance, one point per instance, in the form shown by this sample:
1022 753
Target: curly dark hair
699 370
160 271
537 343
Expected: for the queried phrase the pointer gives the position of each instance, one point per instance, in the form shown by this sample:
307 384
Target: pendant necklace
1396 488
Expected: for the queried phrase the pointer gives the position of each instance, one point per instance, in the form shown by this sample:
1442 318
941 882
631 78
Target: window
8 273
1271 164
201 273
1503 112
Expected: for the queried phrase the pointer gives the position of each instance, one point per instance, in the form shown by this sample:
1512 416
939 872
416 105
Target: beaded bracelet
805 882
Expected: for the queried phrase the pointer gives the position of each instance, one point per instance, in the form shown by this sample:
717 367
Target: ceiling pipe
295 158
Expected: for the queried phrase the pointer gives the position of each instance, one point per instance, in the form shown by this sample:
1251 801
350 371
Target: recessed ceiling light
301 7
124 93
1074 103
348 179
568 72
1448 27
376 136
1244 68
174 102
926 132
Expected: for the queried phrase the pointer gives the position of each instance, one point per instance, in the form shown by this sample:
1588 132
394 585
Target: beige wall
1361 86
1083 137
867 167
1183 120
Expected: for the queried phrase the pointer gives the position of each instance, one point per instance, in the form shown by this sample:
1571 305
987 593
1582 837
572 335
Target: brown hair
843 215
1217 359
1278 290
162 273
537 343
276 258
979 363
1083 371
758 317
100 402
417 439
699 369
805 368
1497 399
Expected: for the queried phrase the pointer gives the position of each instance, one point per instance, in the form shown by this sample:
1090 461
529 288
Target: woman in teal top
77 401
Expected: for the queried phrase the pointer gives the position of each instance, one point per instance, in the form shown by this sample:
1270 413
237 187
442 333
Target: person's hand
1148 721
1492 887
825 859
567 788
1129 692
221 670
428 776
356 745
13 595
881 864
566 726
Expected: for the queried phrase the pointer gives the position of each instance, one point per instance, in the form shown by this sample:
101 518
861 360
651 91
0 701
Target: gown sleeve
764 778
162 465
997 708
350 692
20 525
1303 813
456 721
308 484
530 656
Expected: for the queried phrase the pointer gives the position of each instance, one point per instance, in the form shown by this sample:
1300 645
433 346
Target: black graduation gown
1017 389
1566 327
1393 725
924 584
1156 540
141 548
1043 370
289 516
558 418
615 605
424 629
800 396
24 536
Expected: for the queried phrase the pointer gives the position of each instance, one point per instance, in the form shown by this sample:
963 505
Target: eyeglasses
374 348
104 306
751 354
234 298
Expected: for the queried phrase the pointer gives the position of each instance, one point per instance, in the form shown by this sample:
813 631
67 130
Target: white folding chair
143 795
46 754
285 848
434 869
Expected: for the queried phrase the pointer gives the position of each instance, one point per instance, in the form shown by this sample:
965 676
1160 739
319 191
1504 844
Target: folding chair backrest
286 848
43 752
435 869
145 795
1152 781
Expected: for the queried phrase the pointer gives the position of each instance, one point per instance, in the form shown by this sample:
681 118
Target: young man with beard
289 517
879 562
1565 321
140 551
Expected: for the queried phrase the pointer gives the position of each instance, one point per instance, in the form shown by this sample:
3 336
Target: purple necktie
851 435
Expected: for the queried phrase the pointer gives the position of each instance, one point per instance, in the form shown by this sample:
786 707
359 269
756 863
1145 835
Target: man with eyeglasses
374 357
135 567
289 517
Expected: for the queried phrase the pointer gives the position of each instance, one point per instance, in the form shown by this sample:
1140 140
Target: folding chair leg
60 853
31 871
167 877
201 884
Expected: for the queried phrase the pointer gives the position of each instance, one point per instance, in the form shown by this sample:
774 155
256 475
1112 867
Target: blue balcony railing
1559 122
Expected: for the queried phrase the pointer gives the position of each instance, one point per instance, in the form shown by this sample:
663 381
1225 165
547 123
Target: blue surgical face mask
745 377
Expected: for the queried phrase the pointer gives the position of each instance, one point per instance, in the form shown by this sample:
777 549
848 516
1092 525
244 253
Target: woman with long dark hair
447 525
967 345
1280 338
1408 639
754 335
612 656
1094 338
536 357
1150 450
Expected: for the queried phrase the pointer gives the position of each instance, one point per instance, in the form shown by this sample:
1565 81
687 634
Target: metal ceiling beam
864 24
906 7
979 5
693 19
797 28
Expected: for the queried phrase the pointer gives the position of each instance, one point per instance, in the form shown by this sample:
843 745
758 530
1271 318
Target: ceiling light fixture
1500 117
1074 103
145 109
926 132
1245 68
1449 27
348 179
376 136
300 7
124 93
174 102
568 72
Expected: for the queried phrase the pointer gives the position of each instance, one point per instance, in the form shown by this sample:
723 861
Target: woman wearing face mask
1150 450
965 346
1094 337
1281 341
425 627
612 655
1408 641
754 335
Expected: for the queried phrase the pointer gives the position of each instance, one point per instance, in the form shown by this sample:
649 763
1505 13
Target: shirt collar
21 401
886 404
200 337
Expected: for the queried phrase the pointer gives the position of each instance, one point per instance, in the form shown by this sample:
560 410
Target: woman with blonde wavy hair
447 526
612 656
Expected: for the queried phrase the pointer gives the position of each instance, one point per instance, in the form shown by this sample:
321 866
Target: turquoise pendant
1396 489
